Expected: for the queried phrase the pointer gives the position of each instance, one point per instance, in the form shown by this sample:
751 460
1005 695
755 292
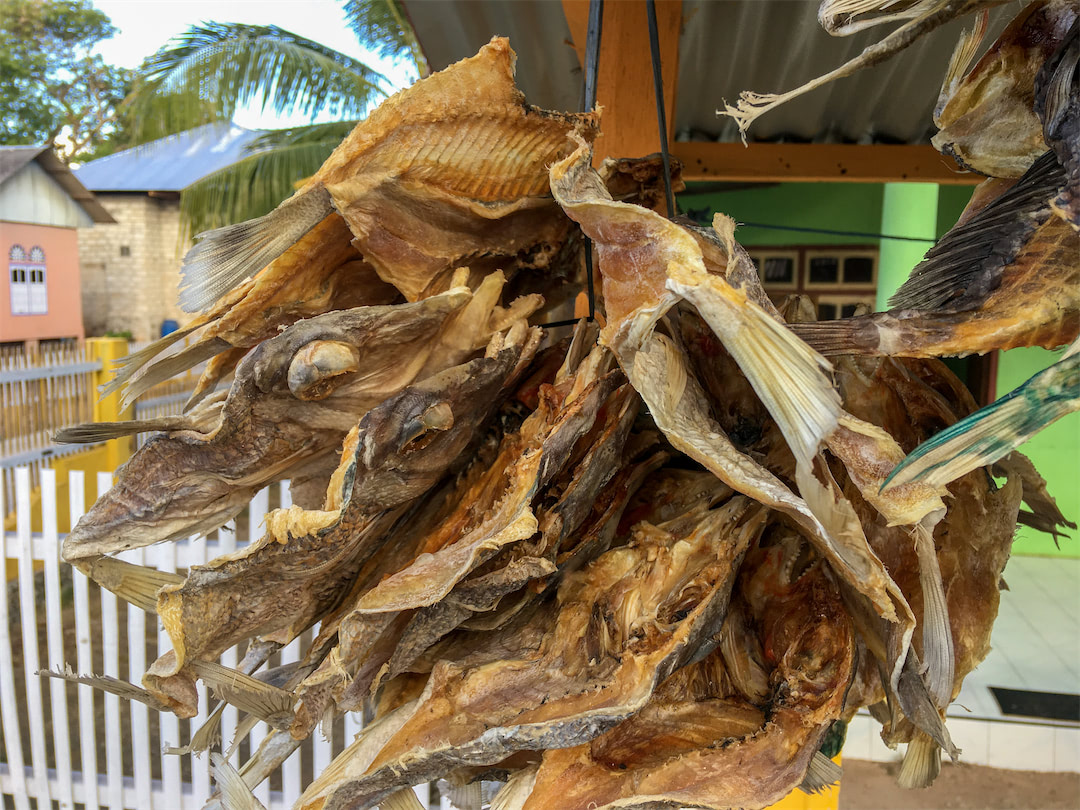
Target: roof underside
170 164
725 47
14 158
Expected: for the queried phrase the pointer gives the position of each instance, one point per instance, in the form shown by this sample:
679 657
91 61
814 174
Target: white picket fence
79 746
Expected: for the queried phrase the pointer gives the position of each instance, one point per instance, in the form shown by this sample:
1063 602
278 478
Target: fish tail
922 762
249 694
466 797
235 794
225 257
127 367
791 379
405 799
992 432
822 774
136 584
173 365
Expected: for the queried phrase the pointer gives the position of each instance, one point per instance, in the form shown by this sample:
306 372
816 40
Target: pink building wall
63 318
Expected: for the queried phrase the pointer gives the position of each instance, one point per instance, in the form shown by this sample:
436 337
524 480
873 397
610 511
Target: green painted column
1055 452
908 209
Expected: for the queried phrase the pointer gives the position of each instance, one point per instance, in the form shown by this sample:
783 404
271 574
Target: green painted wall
1055 452
832 206
907 209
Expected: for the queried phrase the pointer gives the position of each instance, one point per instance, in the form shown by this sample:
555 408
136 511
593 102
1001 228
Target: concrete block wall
136 291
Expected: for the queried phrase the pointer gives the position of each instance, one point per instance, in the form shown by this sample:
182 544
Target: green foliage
51 84
383 26
209 71
252 186
213 69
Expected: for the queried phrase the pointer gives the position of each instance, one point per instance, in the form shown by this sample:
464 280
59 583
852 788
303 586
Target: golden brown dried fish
1005 277
623 623
294 398
419 194
400 449
987 119
698 744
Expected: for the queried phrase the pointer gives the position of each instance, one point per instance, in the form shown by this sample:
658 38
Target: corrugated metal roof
725 47
169 164
14 158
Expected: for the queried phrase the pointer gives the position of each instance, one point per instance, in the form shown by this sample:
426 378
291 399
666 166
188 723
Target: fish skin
1057 103
310 557
187 482
989 123
587 696
674 754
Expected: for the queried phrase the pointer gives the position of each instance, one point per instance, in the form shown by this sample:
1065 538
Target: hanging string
588 101
661 116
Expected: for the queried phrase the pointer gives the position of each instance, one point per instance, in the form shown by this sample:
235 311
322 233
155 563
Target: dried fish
640 611
698 744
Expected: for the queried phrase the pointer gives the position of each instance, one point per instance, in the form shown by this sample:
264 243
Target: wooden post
108 408
624 83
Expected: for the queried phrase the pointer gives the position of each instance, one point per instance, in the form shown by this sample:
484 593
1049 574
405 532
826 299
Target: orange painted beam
624 84
818 163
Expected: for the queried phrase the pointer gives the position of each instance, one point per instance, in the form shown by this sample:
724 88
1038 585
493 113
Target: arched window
26 274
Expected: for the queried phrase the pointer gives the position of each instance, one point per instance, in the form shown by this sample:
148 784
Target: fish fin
822 774
937 635
136 584
967 263
107 683
243 729
466 797
207 735
837 17
269 703
992 432
918 704
856 335
127 367
922 763
235 794
789 377
513 795
104 431
171 366
966 48
404 799
223 258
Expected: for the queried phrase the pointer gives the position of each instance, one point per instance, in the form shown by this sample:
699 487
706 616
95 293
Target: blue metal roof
169 164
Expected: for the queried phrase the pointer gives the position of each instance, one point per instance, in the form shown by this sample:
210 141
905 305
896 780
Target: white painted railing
78 746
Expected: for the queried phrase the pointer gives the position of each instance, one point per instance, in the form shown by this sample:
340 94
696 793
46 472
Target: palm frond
293 136
251 187
383 26
212 69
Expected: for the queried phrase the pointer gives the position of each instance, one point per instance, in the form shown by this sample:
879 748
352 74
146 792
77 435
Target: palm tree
207 73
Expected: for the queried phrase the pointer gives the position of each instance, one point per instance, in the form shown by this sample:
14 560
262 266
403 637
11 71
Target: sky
146 25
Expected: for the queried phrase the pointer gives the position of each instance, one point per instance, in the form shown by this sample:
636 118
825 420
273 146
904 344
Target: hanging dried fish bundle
651 565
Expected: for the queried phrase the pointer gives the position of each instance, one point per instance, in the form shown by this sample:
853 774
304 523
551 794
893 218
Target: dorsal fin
966 265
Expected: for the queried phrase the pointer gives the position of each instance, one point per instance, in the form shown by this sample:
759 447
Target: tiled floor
1035 646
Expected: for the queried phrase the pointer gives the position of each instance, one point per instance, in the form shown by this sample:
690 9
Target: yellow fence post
108 408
